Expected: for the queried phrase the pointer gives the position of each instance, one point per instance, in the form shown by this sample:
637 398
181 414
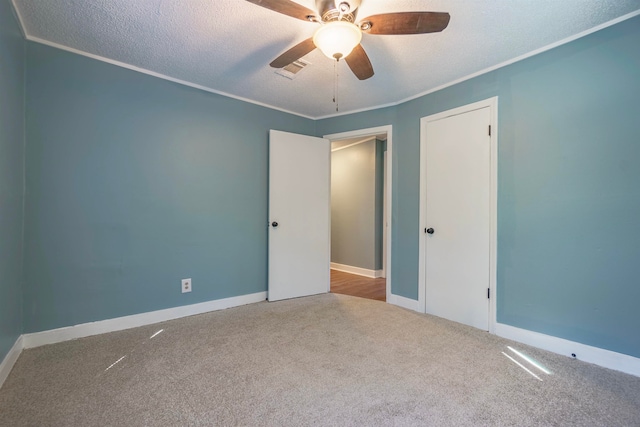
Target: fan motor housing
334 10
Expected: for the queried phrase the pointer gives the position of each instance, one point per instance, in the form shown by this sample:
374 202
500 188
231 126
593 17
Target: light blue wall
568 186
12 58
134 183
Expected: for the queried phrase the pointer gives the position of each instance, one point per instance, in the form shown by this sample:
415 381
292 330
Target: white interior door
299 215
458 217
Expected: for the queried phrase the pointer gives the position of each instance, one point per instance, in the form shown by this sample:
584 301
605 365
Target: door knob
430 230
274 224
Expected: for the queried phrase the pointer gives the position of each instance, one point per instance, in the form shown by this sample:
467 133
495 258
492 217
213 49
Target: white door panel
299 246
458 211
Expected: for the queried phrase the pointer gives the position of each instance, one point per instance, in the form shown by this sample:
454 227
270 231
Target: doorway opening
361 212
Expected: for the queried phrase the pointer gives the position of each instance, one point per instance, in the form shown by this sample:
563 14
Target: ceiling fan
340 34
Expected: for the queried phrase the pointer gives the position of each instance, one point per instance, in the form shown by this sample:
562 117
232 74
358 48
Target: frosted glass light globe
337 39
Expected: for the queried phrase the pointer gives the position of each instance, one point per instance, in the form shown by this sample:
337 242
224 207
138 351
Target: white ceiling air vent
291 70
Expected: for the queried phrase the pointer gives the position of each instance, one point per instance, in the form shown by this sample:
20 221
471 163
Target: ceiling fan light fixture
337 39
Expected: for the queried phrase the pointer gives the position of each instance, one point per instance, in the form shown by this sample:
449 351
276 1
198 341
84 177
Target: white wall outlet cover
186 285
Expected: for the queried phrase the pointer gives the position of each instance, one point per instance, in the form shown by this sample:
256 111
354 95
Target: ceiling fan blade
286 7
293 54
406 23
359 63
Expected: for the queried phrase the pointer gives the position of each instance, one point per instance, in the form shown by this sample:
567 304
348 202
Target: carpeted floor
324 360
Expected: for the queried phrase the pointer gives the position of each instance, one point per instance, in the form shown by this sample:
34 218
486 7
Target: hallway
358 286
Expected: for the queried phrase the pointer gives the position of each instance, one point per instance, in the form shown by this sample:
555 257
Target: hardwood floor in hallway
358 286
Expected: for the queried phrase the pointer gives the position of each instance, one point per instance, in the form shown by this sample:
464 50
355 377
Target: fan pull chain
335 84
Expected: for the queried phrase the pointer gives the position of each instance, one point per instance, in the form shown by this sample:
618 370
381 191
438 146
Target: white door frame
385 220
492 103
389 188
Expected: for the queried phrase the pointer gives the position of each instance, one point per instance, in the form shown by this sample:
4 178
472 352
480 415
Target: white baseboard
126 322
597 356
373 274
10 359
408 303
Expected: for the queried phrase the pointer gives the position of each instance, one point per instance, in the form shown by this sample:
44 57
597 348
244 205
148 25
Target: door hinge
489 130
488 293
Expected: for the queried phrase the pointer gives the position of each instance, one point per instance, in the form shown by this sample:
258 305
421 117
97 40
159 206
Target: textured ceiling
226 45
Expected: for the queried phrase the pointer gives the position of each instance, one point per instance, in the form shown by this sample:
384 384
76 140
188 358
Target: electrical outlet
186 285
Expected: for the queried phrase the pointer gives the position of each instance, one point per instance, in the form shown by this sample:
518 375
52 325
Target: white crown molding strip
16 12
355 270
160 76
10 359
127 322
408 303
359 110
493 68
597 356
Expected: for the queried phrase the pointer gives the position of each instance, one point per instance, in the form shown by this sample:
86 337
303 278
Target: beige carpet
325 360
